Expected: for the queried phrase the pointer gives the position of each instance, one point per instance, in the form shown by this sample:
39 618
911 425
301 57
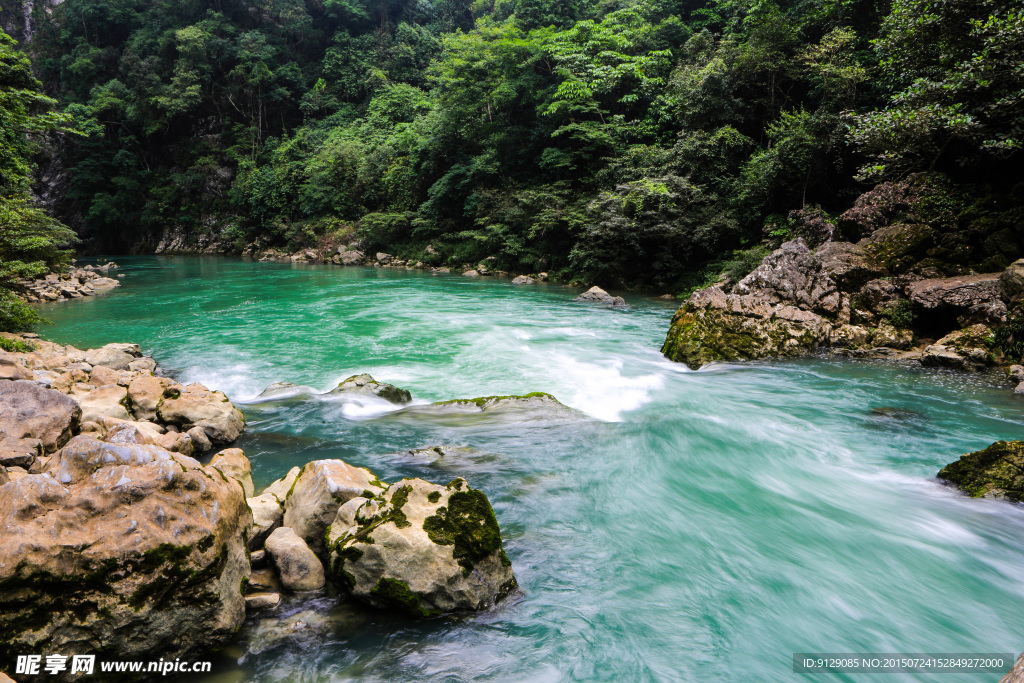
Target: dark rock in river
995 472
597 295
366 385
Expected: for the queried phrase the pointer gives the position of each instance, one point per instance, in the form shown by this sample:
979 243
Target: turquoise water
698 526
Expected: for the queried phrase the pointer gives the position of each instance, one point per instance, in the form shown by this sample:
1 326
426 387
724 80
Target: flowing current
698 526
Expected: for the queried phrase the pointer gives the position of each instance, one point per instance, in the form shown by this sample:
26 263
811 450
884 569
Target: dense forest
649 143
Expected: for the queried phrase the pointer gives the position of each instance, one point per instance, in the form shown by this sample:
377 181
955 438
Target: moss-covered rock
995 472
421 548
366 385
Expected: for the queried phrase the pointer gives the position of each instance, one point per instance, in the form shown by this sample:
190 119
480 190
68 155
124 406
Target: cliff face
20 18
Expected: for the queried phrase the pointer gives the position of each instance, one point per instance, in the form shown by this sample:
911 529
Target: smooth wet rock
261 601
320 489
233 463
197 406
298 567
367 386
30 411
422 549
149 539
995 472
598 296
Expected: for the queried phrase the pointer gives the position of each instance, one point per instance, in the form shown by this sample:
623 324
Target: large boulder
124 549
321 488
965 349
267 515
28 410
298 567
11 369
113 356
1011 282
197 406
421 548
366 385
995 472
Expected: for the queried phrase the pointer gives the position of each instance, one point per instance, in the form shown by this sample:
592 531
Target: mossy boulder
995 472
421 548
121 548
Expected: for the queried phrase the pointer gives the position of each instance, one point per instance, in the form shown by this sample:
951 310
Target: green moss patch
996 471
469 524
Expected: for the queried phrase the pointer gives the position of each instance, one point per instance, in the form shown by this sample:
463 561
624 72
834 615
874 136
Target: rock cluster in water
114 539
848 296
74 284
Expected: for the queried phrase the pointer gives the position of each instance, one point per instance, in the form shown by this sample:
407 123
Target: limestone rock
471 273
1016 374
197 406
352 257
849 336
107 400
977 295
421 548
113 356
145 393
366 385
298 567
536 401
965 349
233 463
320 489
118 539
891 337
523 280
267 515
849 265
995 472
11 369
597 295
28 410
260 601
1011 281
282 486
19 452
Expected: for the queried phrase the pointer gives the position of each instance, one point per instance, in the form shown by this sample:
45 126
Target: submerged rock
421 548
598 296
525 407
367 386
995 472
119 539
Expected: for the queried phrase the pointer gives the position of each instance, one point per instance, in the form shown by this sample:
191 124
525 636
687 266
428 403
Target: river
698 526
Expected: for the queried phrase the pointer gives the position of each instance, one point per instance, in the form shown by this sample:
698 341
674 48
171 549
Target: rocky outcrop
115 384
124 548
421 548
526 406
74 284
839 296
995 472
596 295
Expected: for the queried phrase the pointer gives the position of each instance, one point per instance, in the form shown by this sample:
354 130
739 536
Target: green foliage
16 345
1008 340
900 314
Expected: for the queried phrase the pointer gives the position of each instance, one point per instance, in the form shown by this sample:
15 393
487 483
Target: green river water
700 526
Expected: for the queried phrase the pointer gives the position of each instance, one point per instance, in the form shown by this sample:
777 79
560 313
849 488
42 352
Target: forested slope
641 144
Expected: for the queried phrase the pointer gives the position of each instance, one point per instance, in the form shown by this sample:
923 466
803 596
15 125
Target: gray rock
523 280
267 515
597 295
297 566
891 337
233 463
113 356
367 386
30 411
260 601
978 294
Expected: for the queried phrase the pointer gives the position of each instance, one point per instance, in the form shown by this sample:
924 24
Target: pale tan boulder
145 394
298 567
320 489
119 539
233 463
421 548
112 356
267 515
102 376
197 406
282 486
106 401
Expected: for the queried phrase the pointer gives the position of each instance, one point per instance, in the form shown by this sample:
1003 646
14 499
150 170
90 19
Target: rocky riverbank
116 540
73 284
